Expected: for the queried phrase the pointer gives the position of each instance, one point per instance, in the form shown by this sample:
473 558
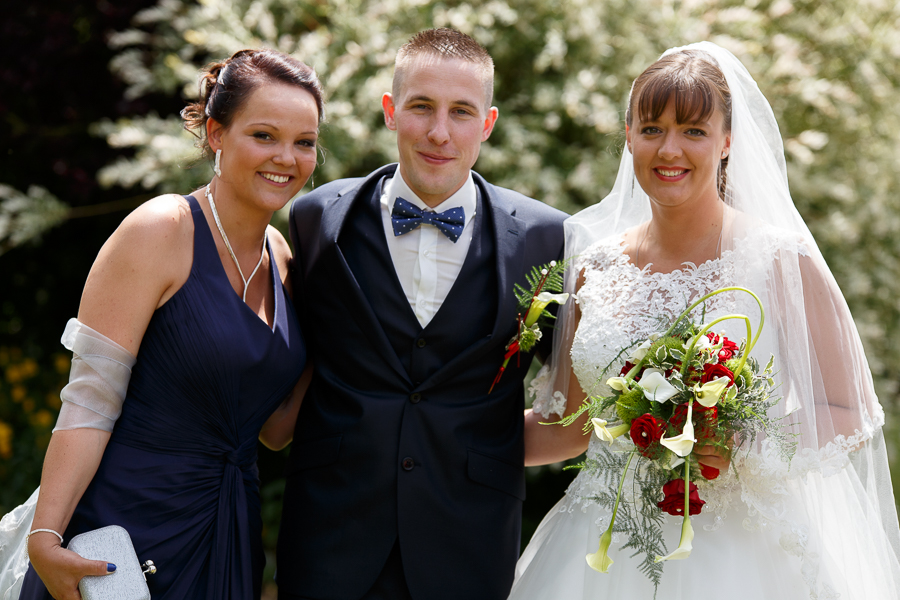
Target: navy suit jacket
397 437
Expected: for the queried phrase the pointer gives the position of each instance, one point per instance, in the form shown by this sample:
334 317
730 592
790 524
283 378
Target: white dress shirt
426 261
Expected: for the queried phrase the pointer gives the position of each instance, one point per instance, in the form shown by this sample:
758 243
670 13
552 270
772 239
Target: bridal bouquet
682 386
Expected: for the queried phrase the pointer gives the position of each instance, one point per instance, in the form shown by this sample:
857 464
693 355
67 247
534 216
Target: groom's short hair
447 44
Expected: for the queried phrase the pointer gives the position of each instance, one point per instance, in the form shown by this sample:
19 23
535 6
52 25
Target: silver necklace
212 206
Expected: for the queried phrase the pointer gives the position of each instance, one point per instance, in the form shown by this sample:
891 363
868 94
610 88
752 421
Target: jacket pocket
497 474
312 454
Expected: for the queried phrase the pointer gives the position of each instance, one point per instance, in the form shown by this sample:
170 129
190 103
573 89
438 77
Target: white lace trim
546 403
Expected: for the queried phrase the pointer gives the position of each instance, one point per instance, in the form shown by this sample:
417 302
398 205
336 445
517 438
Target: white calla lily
540 302
655 386
701 343
608 435
683 443
617 383
600 560
640 352
684 547
675 461
708 394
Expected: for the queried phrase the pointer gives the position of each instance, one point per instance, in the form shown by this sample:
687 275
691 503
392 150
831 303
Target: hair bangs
694 98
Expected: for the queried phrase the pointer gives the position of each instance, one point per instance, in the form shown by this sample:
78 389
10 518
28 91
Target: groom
405 479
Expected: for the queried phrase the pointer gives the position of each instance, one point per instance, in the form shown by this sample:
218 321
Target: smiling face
441 119
269 149
678 162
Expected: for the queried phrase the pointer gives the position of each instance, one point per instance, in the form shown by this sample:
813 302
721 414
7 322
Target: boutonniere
545 288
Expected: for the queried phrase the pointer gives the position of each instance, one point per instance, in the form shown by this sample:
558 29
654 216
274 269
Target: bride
701 201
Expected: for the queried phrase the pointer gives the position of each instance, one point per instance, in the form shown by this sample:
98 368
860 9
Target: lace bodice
621 305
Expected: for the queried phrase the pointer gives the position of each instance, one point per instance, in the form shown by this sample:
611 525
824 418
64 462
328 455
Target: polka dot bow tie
406 216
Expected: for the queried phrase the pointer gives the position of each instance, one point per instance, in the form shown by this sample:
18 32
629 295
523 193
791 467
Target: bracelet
34 531
44 530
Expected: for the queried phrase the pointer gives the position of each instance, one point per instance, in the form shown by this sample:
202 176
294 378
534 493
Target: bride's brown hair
694 82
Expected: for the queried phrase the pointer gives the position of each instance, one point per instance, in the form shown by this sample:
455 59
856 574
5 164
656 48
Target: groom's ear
387 104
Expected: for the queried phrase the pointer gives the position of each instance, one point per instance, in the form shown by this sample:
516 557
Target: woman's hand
62 569
714 456
278 430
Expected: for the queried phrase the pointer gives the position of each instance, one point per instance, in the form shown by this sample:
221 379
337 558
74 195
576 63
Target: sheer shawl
833 501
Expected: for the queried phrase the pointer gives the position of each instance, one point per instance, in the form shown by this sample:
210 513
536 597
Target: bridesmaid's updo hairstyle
693 80
225 87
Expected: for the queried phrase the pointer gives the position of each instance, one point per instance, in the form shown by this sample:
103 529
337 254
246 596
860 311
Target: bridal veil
832 503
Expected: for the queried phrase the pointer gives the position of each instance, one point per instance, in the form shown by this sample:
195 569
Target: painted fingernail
110 568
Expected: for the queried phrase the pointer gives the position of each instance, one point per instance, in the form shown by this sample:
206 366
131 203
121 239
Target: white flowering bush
830 68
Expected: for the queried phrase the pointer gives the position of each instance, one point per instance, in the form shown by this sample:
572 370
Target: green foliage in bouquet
686 386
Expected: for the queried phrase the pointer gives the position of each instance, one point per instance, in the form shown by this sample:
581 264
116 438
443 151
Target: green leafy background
92 130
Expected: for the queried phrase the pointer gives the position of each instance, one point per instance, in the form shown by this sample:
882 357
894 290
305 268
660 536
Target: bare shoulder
142 264
162 220
281 251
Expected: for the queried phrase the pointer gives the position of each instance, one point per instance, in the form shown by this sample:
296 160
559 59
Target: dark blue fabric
398 440
179 472
406 216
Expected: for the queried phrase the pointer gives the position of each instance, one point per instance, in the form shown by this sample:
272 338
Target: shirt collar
464 197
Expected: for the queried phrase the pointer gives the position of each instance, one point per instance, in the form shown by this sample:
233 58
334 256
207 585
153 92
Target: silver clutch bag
112 544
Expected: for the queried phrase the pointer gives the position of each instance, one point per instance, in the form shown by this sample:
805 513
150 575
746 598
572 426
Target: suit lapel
343 281
509 239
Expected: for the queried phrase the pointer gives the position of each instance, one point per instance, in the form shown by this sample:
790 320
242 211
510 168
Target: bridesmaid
194 287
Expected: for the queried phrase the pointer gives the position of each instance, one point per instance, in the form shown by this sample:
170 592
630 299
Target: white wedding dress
755 537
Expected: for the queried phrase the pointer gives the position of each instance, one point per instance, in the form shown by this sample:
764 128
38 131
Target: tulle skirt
741 560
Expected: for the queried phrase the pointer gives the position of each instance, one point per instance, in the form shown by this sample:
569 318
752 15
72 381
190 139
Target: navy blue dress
180 472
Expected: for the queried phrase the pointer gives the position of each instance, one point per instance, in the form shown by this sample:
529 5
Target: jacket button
415 397
408 464
420 342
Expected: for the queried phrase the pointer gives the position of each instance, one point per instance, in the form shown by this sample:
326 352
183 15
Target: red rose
646 431
705 420
629 366
728 349
708 472
673 503
711 372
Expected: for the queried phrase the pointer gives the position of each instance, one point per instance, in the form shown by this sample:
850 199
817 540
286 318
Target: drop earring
217 167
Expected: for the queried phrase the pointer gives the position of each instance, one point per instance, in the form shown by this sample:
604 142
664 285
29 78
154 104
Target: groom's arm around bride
406 476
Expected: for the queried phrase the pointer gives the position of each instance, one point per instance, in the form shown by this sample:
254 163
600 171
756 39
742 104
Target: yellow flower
13 374
6 435
17 393
42 418
29 368
62 363
52 400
